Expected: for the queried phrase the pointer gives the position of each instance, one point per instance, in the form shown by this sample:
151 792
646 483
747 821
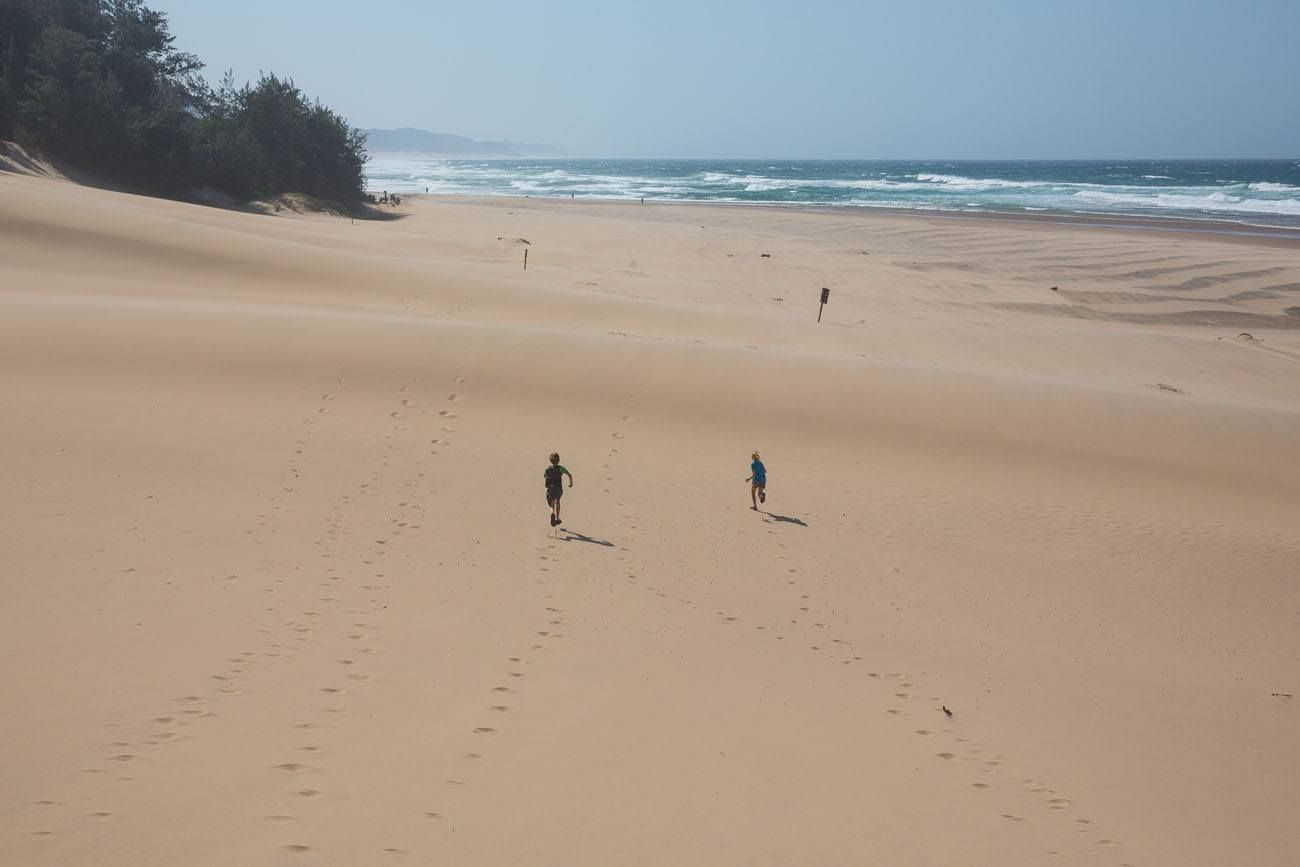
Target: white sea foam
1269 187
1213 202
976 183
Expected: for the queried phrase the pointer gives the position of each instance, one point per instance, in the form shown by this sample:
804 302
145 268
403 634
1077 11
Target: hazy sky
799 78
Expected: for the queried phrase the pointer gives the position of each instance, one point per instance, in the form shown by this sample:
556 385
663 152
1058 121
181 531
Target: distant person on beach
758 481
555 486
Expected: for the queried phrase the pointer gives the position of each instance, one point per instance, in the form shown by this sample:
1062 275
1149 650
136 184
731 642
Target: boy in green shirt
555 486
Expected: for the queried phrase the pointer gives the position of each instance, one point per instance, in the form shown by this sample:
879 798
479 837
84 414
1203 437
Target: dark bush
99 84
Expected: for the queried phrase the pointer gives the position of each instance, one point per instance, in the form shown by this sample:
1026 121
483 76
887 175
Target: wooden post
525 258
826 296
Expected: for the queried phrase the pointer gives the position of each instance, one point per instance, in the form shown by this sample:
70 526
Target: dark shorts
760 483
553 495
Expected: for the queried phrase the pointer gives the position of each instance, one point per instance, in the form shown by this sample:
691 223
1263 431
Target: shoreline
1272 236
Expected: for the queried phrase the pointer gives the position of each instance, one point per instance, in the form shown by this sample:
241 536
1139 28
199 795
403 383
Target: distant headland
419 142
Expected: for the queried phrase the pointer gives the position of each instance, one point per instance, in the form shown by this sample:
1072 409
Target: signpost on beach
826 296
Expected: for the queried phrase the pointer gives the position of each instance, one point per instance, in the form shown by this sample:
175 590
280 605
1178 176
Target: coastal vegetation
100 85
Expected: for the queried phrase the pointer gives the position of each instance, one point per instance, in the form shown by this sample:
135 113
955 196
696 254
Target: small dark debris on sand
765 255
1283 695
1056 289
1163 386
946 712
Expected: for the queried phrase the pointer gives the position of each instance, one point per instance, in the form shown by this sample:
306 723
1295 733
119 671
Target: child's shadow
575 536
785 519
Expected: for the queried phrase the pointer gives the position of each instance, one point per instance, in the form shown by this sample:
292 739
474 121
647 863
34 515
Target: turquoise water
1259 192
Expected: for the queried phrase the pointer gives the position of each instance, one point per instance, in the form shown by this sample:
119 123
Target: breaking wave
1250 191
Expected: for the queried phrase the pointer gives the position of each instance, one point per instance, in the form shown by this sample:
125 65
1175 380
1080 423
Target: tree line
99 84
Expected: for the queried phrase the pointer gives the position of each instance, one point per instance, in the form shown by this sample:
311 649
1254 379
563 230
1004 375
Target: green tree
100 84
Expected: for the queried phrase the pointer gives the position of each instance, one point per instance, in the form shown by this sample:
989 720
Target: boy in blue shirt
758 482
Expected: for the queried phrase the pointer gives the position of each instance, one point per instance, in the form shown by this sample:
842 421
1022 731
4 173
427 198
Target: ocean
1257 192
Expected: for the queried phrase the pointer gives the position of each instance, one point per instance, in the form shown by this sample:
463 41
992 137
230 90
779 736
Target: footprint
946 756
297 848
1058 803
278 820
484 730
291 767
500 708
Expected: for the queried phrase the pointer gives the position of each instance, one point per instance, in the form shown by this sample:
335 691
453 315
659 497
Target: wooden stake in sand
826 296
525 258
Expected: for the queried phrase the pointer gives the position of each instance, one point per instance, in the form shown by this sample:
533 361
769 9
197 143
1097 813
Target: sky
955 79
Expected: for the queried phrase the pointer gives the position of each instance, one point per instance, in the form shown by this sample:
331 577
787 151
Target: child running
555 486
758 482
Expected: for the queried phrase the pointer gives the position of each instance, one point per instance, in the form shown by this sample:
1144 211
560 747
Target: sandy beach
280 589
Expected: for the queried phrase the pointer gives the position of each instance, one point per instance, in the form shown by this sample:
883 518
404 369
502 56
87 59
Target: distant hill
441 144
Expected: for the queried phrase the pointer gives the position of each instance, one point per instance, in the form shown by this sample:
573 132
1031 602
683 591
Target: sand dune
280 588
